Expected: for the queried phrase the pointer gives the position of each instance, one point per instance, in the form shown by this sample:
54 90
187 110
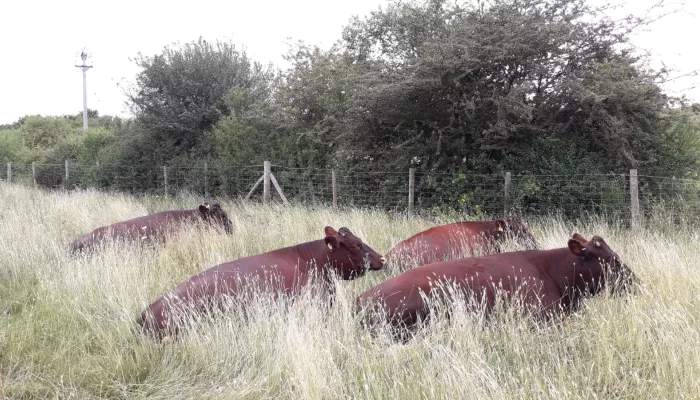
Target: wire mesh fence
677 200
570 194
480 194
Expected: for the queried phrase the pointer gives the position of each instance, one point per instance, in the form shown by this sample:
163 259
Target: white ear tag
500 228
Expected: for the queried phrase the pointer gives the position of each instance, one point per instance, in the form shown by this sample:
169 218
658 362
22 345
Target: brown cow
150 227
547 282
285 271
459 239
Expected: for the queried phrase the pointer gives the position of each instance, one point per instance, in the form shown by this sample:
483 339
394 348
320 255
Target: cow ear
331 242
204 208
578 237
576 248
330 231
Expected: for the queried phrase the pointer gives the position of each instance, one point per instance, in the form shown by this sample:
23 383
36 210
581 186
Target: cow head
349 254
214 214
515 229
602 263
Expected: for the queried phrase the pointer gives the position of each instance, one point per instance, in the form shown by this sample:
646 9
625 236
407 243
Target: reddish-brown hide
460 239
545 281
284 270
154 226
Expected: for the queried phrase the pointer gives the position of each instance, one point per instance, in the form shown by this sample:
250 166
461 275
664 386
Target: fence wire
570 195
677 200
669 198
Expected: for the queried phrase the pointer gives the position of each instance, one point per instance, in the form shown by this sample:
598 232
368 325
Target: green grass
67 324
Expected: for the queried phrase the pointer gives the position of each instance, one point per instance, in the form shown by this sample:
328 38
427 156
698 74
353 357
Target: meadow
68 323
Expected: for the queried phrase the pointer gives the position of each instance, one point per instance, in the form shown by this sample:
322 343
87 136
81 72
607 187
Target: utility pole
84 68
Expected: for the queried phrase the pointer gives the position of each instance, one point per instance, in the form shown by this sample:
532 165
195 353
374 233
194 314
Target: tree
538 86
44 132
315 96
681 141
453 82
183 92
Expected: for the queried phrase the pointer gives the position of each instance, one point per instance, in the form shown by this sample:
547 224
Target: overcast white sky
40 42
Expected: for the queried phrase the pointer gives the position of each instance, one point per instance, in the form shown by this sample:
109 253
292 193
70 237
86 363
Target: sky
42 40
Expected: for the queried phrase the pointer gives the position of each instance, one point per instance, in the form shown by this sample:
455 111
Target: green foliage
482 84
45 132
10 144
680 144
92 144
183 92
316 96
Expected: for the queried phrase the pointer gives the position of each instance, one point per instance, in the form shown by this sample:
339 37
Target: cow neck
176 216
563 268
312 254
192 214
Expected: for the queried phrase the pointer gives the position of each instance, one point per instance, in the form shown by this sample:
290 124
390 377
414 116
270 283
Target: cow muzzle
375 264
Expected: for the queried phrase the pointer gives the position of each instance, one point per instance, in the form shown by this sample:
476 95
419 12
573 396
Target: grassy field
67 324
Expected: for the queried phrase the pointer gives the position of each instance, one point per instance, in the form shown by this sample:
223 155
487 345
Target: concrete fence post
65 182
334 186
634 197
267 169
506 194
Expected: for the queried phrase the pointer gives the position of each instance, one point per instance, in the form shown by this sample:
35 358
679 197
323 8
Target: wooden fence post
165 180
506 189
411 189
206 179
334 186
9 172
266 182
34 172
65 182
634 197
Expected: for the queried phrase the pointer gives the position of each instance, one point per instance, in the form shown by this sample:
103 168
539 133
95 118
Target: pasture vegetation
68 324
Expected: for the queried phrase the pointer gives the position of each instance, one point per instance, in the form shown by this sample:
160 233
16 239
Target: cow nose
382 259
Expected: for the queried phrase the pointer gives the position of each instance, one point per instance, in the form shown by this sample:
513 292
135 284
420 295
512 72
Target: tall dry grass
67 324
